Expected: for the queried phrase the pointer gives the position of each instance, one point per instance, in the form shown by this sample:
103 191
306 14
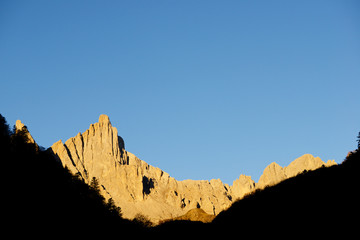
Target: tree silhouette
4 137
4 128
94 184
113 208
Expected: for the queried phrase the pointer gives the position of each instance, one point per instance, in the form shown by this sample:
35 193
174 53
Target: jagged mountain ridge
134 185
315 204
138 187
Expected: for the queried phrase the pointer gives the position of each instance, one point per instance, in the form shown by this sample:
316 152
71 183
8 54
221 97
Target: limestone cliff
242 186
138 187
19 126
274 173
134 185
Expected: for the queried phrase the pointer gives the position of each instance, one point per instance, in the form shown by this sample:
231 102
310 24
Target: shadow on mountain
148 184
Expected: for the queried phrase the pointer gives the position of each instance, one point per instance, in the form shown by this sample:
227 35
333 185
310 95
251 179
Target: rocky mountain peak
19 126
104 119
274 173
138 187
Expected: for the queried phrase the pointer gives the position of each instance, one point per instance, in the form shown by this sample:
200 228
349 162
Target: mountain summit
274 173
138 187
134 185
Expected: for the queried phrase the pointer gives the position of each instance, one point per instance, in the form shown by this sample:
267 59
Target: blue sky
201 89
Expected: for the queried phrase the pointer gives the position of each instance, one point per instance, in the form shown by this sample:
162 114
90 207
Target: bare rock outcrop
19 126
274 173
242 186
196 214
134 185
138 187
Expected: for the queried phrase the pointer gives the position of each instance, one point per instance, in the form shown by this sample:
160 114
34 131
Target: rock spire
19 126
138 187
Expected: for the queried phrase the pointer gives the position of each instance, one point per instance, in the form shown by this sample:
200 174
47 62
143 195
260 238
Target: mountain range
139 188
66 190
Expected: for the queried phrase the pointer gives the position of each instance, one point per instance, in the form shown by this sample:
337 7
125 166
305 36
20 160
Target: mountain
196 214
319 203
40 194
274 173
138 187
134 185
19 126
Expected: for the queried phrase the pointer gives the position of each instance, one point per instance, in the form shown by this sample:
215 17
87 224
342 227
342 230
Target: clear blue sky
201 89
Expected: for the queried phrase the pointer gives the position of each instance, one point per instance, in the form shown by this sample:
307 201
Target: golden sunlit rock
138 187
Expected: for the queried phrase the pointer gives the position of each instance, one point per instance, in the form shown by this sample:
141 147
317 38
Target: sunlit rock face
242 186
134 185
274 173
19 126
138 187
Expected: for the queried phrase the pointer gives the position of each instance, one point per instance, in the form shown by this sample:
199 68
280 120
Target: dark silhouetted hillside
40 197
322 202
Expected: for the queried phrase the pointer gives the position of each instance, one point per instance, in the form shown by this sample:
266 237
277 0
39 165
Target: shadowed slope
315 202
197 215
